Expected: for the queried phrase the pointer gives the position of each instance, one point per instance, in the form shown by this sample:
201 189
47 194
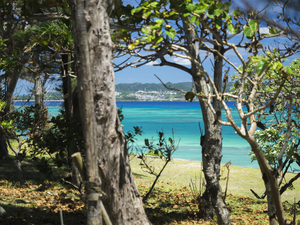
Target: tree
161 25
279 124
183 29
252 73
47 43
107 165
18 35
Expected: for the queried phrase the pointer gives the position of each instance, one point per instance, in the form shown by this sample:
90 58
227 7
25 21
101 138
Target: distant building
147 97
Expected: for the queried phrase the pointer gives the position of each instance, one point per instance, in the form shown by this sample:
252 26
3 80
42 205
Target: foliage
271 141
274 122
164 150
130 137
48 96
54 140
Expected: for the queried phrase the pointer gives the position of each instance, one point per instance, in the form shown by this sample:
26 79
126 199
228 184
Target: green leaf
288 70
189 96
232 28
133 11
153 4
146 30
171 33
160 39
254 24
261 66
272 30
159 21
248 32
217 12
186 14
193 19
237 12
146 15
277 66
191 7
44 42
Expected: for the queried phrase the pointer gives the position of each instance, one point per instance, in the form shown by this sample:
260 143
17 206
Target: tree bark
68 105
270 178
271 206
3 147
212 199
110 159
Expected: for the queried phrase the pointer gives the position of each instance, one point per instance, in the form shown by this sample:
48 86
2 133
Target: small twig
170 88
73 185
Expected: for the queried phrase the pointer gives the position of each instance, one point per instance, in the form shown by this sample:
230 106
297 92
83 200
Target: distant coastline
134 92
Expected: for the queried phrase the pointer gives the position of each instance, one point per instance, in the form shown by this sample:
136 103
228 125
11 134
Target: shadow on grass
9 171
18 215
168 207
138 175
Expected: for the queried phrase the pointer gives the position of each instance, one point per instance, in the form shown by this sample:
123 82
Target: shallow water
183 118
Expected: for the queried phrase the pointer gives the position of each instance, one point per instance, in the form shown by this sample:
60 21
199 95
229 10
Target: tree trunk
271 206
68 105
11 83
120 194
3 147
212 199
270 178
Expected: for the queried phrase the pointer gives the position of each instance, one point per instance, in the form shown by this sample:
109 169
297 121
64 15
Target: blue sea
181 117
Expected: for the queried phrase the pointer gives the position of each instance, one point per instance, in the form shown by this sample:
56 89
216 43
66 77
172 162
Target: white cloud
182 61
151 63
264 30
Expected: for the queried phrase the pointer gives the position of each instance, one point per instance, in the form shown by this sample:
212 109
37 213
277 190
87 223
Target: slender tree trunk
11 83
11 86
68 105
270 178
3 147
109 161
38 90
212 199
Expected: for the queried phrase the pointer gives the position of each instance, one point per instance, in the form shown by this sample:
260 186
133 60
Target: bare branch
287 136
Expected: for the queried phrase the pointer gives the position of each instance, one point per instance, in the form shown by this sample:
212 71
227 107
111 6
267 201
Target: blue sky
145 74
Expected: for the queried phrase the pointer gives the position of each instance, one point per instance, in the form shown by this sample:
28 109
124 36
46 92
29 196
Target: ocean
181 117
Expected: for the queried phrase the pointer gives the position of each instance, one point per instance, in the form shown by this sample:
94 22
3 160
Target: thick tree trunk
271 206
212 199
120 194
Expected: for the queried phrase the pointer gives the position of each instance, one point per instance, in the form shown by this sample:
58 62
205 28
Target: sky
145 74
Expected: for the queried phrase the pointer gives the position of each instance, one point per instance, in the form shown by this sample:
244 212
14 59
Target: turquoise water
183 118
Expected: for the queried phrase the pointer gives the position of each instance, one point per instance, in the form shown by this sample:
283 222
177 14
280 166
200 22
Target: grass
39 201
172 195
241 179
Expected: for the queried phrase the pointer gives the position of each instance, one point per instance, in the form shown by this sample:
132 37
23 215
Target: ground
173 201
